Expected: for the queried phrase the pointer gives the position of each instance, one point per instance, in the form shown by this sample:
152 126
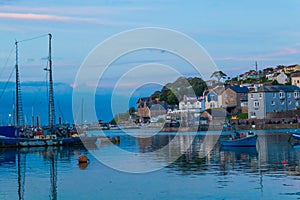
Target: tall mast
19 108
51 98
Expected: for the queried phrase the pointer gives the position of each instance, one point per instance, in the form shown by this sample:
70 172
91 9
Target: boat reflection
195 156
21 159
246 150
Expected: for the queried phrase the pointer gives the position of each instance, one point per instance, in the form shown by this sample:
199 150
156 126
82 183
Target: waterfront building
147 108
213 99
295 78
191 103
215 116
266 100
235 99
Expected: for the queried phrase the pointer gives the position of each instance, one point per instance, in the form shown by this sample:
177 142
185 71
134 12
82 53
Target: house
191 103
295 78
235 99
147 108
213 116
292 68
269 99
270 76
211 83
282 78
213 98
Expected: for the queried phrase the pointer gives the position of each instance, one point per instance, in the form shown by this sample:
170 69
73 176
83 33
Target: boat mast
51 97
19 108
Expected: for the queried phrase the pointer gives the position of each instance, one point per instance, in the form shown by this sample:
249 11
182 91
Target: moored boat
248 140
12 137
295 134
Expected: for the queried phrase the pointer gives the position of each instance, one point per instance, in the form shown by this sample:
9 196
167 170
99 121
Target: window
281 95
244 104
282 103
297 103
274 95
290 102
273 103
260 95
256 104
253 114
289 95
251 95
298 81
296 95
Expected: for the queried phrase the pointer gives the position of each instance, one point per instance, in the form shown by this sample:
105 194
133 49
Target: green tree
172 99
275 82
156 94
131 110
113 122
218 75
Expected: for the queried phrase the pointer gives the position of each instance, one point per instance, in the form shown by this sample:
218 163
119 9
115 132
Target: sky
235 34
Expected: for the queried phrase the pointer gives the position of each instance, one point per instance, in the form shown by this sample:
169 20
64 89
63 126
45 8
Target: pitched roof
295 74
239 89
219 89
217 112
277 88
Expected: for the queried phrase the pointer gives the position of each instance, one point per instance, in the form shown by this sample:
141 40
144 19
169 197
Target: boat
7 140
243 140
240 149
295 134
20 135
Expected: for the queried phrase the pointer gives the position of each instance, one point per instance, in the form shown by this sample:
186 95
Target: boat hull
296 136
30 142
243 142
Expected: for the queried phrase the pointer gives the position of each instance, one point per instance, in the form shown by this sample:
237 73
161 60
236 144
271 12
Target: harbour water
270 171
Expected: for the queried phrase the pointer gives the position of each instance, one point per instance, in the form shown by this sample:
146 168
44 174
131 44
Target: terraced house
266 100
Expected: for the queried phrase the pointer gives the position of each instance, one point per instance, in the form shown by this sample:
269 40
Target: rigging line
11 73
5 64
33 38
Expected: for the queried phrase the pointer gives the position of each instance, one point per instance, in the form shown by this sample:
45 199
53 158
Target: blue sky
234 33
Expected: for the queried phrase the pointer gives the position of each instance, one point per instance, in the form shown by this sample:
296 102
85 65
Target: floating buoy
82 159
83 165
284 162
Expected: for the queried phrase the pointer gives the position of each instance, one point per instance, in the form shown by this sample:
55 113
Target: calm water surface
243 173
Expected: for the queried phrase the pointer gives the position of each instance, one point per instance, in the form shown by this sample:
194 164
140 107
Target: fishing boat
295 134
241 140
19 135
240 149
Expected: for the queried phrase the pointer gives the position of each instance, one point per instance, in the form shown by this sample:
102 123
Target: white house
282 78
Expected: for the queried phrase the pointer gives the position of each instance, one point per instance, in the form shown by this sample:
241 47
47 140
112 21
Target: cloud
77 10
276 55
284 51
55 18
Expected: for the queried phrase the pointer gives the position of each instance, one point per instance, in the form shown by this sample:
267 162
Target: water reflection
28 160
197 158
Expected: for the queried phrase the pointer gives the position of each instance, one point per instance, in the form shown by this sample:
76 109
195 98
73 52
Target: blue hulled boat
248 141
